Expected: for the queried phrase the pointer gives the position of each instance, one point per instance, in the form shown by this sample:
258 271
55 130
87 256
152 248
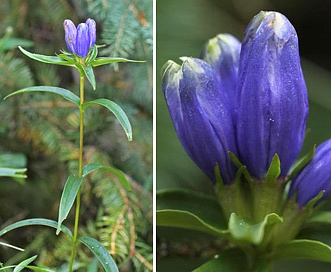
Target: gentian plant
83 56
240 112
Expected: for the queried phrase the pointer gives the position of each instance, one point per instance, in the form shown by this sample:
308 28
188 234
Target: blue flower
222 53
201 115
315 177
248 98
273 104
80 40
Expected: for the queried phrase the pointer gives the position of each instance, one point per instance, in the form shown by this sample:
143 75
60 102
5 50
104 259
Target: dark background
182 29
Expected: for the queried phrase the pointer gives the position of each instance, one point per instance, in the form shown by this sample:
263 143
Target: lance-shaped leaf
274 170
89 168
11 246
66 94
68 197
46 59
108 60
24 264
34 222
101 253
92 56
242 230
301 163
116 110
88 71
304 249
190 210
13 172
39 269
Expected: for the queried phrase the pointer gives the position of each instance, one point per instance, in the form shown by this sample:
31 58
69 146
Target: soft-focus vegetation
44 130
182 29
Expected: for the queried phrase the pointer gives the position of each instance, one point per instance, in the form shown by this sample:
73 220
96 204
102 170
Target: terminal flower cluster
249 98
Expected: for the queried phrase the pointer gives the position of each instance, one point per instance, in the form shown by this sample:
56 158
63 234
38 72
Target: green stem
80 170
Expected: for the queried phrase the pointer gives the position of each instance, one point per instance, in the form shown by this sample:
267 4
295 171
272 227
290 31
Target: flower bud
70 33
80 40
201 116
83 40
92 31
315 177
273 105
222 53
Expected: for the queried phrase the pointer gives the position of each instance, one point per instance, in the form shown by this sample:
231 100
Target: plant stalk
80 169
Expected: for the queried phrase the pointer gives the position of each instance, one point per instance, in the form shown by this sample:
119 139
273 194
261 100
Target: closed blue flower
222 53
201 115
80 40
273 105
315 177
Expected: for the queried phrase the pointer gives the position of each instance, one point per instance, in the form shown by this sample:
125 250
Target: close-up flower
79 41
240 112
201 115
315 177
272 94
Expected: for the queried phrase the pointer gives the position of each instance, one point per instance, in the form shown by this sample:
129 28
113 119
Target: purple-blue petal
273 105
70 33
222 53
315 177
82 40
92 31
200 115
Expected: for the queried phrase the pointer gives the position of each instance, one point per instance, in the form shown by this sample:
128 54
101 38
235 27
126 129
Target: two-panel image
169 136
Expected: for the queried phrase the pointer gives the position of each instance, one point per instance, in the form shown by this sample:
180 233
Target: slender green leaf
92 56
101 253
301 163
66 94
274 170
6 267
88 71
242 230
34 222
187 220
239 165
68 57
11 246
45 59
13 172
232 260
313 202
89 168
304 249
108 60
116 110
190 210
24 264
39 269
217 174
68 197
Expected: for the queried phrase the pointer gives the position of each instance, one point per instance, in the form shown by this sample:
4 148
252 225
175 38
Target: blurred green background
44 129
182 29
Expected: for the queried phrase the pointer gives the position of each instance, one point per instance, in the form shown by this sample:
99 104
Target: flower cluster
249 98
80 40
